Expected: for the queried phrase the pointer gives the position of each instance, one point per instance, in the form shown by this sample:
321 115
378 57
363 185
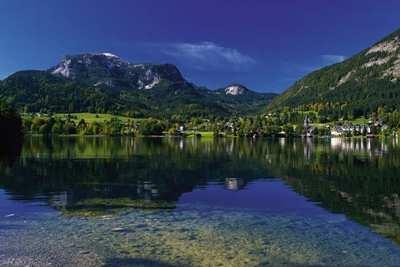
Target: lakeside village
371 129
260 126
346 129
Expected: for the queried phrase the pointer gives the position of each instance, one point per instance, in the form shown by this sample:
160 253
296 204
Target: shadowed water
194 202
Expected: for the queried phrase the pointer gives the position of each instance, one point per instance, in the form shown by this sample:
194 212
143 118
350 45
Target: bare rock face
383 58
106 69
387 46
235 89
386 53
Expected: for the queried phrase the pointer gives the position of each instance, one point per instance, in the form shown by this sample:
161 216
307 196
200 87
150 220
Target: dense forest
354 88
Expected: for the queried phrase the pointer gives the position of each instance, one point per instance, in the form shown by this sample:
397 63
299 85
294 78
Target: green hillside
357 86
94 83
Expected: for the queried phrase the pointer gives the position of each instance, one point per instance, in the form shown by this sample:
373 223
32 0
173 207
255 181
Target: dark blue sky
266 45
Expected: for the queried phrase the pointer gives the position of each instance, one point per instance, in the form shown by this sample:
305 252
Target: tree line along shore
285 123
281 124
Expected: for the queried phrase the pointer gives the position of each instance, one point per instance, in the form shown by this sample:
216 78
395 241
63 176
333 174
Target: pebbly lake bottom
196 233
151 203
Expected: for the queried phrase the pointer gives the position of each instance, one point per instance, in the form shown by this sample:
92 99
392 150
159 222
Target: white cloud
205 55
332 59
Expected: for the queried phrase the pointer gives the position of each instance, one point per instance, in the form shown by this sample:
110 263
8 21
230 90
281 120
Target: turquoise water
173 202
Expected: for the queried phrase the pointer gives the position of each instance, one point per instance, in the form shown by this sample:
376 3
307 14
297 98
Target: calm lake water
198 202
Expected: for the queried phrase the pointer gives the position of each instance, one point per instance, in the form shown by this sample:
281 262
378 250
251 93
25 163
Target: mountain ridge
104 83
108 69
358 85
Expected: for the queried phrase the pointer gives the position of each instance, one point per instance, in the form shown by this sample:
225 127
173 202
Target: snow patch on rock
234 90
109 55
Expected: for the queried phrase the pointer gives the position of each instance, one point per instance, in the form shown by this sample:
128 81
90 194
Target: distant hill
359 85
105 83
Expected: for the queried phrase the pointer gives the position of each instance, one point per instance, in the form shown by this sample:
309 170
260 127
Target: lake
97 201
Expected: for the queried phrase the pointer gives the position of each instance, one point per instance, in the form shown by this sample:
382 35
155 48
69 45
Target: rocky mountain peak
83 65
235 89
107 69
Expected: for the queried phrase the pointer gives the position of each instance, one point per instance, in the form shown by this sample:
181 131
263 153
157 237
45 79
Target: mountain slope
104 83
359 85
111 70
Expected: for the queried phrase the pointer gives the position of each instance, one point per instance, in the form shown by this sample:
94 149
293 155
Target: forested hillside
355 87
104 83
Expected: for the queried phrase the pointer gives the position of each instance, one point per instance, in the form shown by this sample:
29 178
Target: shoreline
191 136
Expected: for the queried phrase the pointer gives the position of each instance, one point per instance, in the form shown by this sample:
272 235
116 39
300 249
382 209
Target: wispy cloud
332 59
205 55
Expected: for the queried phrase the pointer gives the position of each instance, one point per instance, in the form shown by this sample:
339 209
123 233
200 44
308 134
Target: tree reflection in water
89 176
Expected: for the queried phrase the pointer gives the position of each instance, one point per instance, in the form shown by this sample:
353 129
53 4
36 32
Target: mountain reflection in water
91 176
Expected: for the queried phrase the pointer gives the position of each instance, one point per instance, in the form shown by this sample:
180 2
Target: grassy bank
91 117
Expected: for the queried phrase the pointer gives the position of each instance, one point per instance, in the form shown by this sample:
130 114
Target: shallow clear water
173 202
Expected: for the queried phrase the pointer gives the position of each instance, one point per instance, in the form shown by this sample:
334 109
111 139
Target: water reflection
89 176
234 184
10 152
